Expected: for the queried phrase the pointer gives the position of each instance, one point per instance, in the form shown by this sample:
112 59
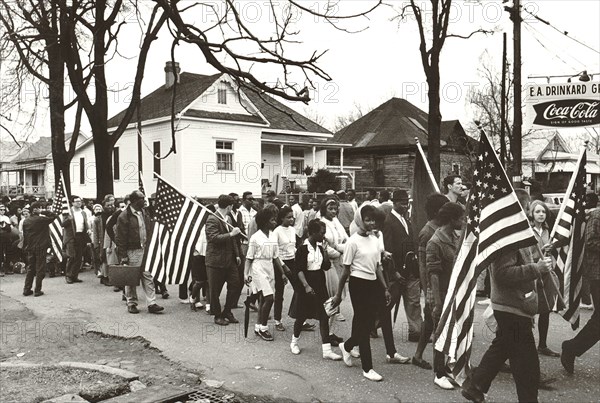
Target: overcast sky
383 61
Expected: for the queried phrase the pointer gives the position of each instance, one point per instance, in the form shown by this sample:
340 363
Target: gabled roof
34 151
538 143
157 104
396 123
9 150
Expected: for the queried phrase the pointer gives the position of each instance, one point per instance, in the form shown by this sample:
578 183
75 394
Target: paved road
258 367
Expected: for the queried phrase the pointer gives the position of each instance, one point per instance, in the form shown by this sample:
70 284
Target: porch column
342 159
24 180
314 150
281 159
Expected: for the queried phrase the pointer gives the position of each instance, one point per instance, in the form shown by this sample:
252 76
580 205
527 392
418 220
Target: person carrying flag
515 303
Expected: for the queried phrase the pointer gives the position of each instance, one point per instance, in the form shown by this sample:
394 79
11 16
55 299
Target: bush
323 180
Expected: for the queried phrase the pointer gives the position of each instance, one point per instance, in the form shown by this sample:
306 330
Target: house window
456 169
379 175
34 179
116 171
224 155
82 171
297 160
157 157
222 93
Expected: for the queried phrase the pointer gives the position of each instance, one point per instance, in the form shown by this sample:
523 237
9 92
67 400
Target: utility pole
503 105
516 145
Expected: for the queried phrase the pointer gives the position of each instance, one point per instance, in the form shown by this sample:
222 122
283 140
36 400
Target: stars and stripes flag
59 206
568 235
142 187
178 221
495 224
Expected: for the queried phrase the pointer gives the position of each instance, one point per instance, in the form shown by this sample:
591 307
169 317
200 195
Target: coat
69 229
221 249
401 245
127 232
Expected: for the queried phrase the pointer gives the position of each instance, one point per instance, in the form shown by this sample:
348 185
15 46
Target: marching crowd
333 249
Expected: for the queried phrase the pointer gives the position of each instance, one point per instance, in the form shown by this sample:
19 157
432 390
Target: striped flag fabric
142 187
178 221
495 225
568 235
59 206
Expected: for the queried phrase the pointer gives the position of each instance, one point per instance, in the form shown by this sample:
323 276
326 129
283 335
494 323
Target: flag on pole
424 184
569 236
179 220
142 187
495 225
59 206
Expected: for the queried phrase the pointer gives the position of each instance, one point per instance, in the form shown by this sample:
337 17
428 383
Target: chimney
169 76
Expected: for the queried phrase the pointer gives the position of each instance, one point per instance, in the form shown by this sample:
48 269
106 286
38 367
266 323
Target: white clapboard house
227 141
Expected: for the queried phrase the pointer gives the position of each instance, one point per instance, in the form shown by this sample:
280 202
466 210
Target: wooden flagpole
429 171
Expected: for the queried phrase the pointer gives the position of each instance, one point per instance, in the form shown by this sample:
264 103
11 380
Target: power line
565 33
555 55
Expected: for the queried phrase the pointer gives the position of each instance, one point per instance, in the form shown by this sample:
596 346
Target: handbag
329 309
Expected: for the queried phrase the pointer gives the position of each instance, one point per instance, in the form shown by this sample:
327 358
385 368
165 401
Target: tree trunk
434 122
103 152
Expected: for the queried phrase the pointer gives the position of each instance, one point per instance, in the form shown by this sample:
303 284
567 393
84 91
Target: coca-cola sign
567 113
557 105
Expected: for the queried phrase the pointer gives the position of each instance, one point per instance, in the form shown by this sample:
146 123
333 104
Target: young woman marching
441 252
311 264
263 254
362 265
539 214
286 239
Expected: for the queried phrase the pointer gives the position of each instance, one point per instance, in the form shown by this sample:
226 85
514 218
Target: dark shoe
221 321
374 334
165 295
51 275
193 306
231 319
155 308
279 327
132 309
309 327
104 281
421 363
68 280
123 297
545 382
265 335
567 359
547 352
76 280
38 293
27 293
117 289
471 392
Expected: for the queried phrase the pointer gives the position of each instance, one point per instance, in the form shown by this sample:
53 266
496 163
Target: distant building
383 146
228 140
550 161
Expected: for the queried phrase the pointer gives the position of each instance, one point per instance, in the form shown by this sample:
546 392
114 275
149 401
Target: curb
127 375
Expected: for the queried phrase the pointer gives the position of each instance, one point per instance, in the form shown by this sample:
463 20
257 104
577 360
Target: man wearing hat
36 241
398 240
132 236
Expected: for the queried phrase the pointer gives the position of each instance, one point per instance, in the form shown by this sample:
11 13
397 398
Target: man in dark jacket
76 233
222 261
398 240
36 241
132 235
515 303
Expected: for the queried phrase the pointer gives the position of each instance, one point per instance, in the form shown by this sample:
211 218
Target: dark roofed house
383 146
228 139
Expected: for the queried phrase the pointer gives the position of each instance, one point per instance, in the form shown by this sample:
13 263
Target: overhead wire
533 31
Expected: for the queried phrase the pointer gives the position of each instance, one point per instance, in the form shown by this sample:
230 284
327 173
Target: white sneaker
443 383
329 354
372 376
295 349
184 301
484 302
199 305
355 352
586 306
397 359
346 355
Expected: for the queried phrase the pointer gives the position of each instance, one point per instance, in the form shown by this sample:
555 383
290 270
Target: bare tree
432 39
344 120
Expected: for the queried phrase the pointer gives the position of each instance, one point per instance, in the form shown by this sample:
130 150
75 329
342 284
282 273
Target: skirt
332 278
308 306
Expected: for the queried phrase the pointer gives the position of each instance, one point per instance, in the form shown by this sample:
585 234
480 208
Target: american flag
59 207
569 234
142 187
176 231
495 224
